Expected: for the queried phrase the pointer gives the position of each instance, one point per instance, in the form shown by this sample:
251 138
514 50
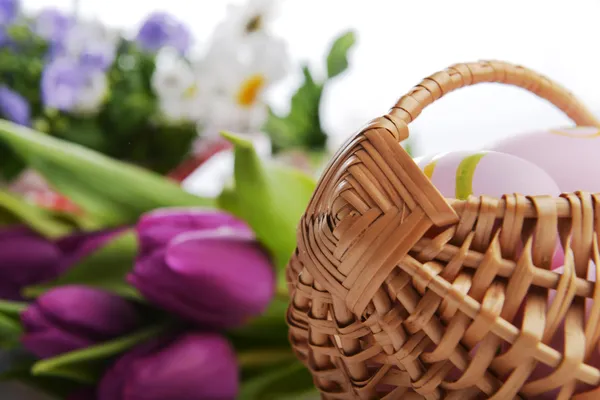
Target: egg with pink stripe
568 155
459 174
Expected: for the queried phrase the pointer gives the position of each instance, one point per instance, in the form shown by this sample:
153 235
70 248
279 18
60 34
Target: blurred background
400 42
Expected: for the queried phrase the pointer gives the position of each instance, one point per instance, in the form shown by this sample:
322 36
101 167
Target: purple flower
52 25
68 318
27 259
204 266
14 107
193 366
89 45
9 9
163 30
69 86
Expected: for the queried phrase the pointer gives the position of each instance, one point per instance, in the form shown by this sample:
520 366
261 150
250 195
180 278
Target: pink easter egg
459 174
568 155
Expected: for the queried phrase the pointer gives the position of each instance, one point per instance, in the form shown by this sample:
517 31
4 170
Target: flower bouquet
136 287
156 97
155 291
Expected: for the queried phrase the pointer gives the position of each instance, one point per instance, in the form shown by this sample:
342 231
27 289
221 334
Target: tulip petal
196 366
52 342
157 228
33 319
217 279
227 270
26 258
91 312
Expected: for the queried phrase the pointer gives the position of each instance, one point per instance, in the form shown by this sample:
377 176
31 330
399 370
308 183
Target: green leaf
269 330
12 308
337 60
302 126
86 365
114 192
10 328
36 218
270 198
10 323
292 381
10 165
105 268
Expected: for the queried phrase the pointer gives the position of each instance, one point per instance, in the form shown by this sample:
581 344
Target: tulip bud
204 266
74 317
193 366
27 258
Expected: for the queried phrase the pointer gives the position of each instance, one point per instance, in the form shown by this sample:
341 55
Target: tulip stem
100 351
255 358
12 307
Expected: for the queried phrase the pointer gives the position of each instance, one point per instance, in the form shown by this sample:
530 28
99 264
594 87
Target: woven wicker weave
398 293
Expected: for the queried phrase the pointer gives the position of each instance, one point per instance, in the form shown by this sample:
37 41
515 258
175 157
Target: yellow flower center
190 92
249 90
254 24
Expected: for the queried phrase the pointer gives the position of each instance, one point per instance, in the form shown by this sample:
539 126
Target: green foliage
112 192
87 365
270 198
282 382
38 219
301 128
337 60
106 268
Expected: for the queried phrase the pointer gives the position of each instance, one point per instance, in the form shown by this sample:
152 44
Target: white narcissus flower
178 88
238 86
92 93
247 21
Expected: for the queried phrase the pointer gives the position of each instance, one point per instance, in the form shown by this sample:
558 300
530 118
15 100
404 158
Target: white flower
238 86
246 21
172 76
178 88
92 93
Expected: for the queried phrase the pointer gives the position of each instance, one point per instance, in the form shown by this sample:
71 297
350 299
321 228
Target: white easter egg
569 155
459 174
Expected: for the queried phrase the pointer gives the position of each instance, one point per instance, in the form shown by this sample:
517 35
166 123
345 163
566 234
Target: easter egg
568 155
459 174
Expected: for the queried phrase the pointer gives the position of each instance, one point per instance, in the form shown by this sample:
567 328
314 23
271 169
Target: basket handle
466 74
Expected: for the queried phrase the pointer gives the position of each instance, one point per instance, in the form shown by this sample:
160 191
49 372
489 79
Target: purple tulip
193 366
27 259
14 107
204 266
52 25
68 318
9 9
163 30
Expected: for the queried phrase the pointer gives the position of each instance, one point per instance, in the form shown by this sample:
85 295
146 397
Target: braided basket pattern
398 293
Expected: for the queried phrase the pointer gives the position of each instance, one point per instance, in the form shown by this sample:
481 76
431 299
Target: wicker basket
398 293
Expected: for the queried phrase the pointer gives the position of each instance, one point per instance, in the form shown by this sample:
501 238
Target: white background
400 42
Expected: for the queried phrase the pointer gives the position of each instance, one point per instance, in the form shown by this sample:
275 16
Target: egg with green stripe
460 174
